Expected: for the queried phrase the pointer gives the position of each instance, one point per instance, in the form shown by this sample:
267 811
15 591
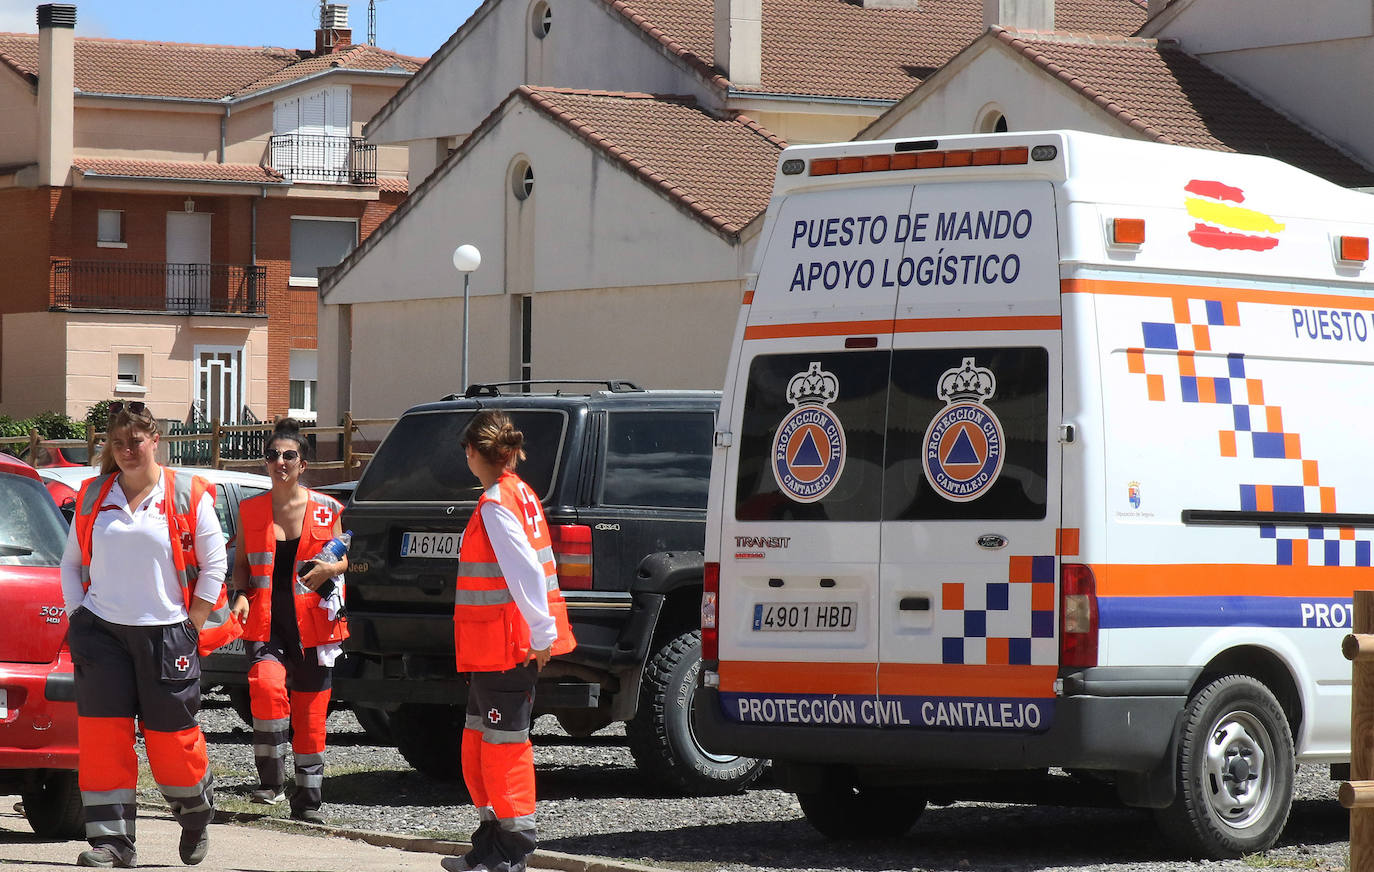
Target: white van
1043 450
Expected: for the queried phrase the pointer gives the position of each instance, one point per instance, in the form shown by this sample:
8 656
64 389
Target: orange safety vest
260 543
489 633
187 492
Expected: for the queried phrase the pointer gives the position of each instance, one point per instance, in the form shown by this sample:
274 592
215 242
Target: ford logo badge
992 540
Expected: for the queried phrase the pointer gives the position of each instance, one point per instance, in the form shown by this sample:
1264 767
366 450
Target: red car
37 694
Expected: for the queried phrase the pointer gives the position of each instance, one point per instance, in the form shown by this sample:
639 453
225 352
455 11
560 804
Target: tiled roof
393 184
838 48
1171 96
721 169
190 71
166 169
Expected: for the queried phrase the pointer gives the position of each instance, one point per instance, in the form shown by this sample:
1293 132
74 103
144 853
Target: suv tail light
1077 615
572 552
710 596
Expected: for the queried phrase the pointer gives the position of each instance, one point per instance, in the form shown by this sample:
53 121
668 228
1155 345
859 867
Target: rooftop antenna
372 22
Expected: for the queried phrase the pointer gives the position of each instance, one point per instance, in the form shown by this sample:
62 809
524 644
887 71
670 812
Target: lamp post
466 258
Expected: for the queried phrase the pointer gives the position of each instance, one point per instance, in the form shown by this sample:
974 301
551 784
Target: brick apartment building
166 207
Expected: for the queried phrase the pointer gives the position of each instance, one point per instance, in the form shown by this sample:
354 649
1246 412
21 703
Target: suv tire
842 810
376 723
661 737
429 737
54 806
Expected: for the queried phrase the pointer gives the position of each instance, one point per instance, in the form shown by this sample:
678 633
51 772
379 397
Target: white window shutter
286 116
313 115
340 111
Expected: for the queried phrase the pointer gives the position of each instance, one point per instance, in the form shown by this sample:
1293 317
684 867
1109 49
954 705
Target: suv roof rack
493 389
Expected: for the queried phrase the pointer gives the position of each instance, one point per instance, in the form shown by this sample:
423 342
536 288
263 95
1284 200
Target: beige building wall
625 282
18 120
805 128
499 51
148 132
982 83
664 336
70 361
1291 55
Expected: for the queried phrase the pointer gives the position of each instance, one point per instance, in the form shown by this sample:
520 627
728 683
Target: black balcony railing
183 288
306 157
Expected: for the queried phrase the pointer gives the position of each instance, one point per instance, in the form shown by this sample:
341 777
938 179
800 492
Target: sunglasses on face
135 408
288 455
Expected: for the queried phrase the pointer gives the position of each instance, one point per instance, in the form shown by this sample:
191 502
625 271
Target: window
129 371
319 242
304 382
658 459
421 460
1021 406
110 229
526 337
522 180
541 19
850 491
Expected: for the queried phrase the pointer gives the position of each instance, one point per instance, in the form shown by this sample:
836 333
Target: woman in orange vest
143 570
292 633
509 618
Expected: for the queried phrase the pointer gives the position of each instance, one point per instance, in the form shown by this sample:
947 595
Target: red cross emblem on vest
183 663
323 516
494 715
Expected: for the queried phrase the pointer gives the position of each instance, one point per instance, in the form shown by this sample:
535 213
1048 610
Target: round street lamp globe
466 258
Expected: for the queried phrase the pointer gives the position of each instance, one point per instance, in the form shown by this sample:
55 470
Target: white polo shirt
133 578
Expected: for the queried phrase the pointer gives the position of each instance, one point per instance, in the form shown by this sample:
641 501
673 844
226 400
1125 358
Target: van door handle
914 604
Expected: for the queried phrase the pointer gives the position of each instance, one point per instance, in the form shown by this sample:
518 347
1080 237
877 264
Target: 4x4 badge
963 444
808 450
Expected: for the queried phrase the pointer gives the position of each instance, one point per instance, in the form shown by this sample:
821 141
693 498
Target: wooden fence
1357 794
350 462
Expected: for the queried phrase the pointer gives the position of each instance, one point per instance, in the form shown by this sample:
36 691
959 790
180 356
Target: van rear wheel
1234 775
661 737
841 810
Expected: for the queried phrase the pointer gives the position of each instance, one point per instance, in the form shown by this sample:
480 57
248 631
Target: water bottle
333 551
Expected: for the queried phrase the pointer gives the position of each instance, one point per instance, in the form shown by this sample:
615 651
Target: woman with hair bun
292 634
509 618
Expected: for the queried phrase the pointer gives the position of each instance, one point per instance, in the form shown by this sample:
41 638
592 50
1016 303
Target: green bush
50 425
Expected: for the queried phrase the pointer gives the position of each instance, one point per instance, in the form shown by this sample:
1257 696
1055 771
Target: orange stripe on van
748 297
1228 579
788 677
824 328
966 679
1228 297
925 679
962 325
1066 541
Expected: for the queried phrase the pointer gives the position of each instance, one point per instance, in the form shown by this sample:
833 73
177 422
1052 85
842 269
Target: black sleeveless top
284 629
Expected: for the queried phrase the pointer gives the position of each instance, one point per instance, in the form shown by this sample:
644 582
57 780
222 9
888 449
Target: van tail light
710 596
572 552
1077 616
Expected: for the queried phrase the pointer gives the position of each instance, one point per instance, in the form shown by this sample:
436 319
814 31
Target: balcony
338 160
169 288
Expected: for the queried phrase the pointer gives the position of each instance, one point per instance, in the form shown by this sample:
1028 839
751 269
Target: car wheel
429 737
1234 775
54 806
661 737
376 723
581 723
841 809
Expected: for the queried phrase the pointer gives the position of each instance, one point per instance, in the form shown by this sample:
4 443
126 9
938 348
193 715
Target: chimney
334 33
56 84
1020 14
739 40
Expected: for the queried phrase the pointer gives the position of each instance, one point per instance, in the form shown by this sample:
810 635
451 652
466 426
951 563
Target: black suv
623 475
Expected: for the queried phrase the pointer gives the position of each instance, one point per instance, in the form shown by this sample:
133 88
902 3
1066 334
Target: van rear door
800 518
971 484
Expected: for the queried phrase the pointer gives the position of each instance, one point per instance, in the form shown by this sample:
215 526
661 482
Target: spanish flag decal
1223 225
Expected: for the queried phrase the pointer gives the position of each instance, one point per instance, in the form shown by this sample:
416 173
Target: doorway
188 261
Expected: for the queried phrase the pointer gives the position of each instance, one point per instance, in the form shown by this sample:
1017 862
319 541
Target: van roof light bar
919 155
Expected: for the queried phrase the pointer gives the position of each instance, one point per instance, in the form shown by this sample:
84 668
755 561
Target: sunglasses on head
135 408
288 455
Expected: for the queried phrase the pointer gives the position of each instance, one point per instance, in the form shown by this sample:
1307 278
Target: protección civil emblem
963 444
808 451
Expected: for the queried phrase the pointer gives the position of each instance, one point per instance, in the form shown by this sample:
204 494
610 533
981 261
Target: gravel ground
593 801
